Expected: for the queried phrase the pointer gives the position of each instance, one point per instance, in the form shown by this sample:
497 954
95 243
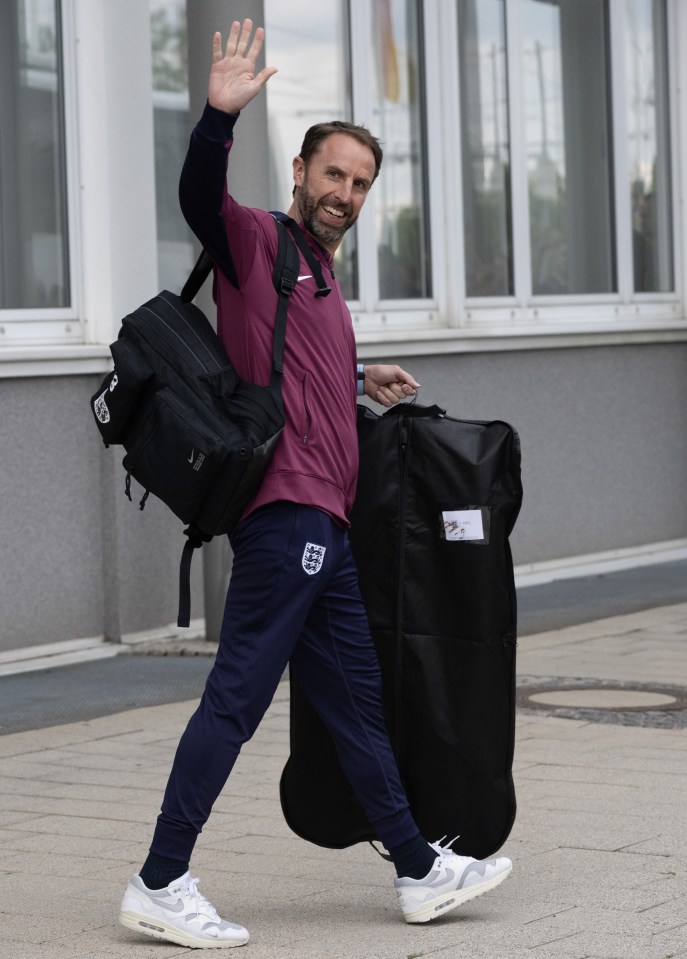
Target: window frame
526 310
66 340
110 186
675 130
22 327
573 318
372 314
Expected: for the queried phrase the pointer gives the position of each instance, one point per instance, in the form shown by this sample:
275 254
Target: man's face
332 187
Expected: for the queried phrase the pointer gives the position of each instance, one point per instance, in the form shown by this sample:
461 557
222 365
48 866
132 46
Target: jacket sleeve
202 186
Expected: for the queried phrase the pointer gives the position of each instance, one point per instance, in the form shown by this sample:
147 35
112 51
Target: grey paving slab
66 845
599 845
621 648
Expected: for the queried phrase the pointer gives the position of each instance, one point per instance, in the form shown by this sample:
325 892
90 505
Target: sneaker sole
450 900
161 930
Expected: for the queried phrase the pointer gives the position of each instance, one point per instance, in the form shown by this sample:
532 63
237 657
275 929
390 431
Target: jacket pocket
307 432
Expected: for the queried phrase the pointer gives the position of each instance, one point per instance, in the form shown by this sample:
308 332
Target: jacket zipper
306 407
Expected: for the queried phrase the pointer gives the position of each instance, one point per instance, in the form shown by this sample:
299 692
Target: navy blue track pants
293 598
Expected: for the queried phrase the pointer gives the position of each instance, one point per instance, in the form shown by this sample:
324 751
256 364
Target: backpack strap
198 276
284 278
195 540
310 258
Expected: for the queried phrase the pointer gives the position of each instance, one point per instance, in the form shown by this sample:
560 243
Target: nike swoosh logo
308 276
190 459
167 906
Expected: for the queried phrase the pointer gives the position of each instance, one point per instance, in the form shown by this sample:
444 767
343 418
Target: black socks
158 871
413 859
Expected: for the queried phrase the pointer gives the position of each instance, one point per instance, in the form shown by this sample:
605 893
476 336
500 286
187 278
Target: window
307 40
530 167
396 97
485 142
648 144
564 65
172 130
527 170
377 81
34 234
544 172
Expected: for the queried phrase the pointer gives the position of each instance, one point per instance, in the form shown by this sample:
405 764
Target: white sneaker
451 881
178 913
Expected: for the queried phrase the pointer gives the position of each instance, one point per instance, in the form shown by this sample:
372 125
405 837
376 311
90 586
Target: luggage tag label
465 525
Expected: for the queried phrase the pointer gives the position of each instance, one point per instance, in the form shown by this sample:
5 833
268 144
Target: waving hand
233 83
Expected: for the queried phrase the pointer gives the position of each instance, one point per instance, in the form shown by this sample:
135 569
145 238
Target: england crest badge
313 555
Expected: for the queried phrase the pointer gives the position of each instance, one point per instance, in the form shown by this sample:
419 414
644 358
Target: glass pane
34 249
307 40
400 193
485 147
649 145
172 126
568 141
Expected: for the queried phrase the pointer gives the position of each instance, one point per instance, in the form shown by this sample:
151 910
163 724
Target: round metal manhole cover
604 701
603 698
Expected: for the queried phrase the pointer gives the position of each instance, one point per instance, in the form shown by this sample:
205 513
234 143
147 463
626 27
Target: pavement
599 845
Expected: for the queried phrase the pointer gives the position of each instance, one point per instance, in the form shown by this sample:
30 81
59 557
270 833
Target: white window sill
502 338
84 359
67 360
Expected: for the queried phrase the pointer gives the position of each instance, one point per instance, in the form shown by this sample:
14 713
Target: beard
324 232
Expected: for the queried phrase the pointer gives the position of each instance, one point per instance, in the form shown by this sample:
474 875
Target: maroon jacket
316 462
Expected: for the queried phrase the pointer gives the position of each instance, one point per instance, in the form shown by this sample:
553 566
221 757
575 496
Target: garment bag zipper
405 426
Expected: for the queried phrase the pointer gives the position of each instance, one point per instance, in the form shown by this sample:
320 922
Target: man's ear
298 170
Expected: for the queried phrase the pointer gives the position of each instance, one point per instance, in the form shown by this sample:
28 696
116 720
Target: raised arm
232 85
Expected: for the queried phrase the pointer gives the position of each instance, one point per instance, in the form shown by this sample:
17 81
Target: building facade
522 253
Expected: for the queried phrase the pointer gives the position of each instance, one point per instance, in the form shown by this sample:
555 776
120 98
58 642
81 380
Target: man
293 596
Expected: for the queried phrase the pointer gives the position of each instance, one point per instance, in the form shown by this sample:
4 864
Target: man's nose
344 191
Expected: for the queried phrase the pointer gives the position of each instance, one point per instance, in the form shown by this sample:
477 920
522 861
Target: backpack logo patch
313 556
198 461
100 408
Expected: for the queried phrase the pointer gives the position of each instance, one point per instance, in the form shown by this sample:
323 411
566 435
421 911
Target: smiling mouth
339 214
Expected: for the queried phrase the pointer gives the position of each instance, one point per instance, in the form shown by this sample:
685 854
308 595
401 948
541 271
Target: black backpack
195 435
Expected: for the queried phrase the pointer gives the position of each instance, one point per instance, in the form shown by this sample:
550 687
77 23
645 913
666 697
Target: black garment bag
437 499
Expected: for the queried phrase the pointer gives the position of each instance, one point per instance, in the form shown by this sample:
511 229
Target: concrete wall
604 465
78 559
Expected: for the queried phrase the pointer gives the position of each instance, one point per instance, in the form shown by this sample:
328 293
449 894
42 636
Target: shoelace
444 850
201 903
441 850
